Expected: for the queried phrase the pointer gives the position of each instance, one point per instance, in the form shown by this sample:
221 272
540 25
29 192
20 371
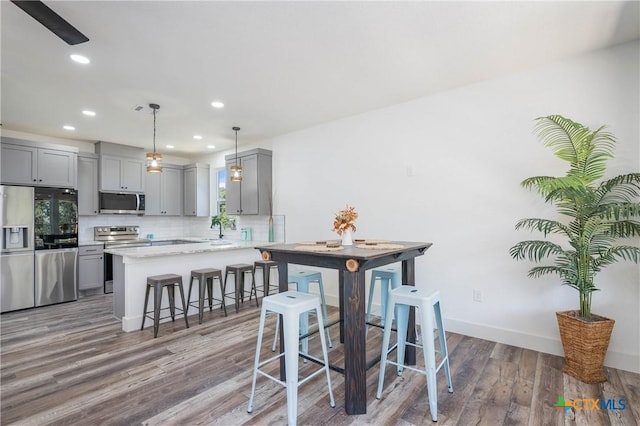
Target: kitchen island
132 266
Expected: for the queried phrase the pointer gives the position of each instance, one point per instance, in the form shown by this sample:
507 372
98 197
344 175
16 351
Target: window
221 191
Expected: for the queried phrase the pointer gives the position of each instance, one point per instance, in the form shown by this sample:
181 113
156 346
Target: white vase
347 237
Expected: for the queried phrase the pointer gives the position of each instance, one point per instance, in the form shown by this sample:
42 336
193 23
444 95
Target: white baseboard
614 359
133 323
619 360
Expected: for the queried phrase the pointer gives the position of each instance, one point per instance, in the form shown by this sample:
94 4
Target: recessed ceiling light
198 137
211 146
67 127
89 113
170 146
217 104
79 59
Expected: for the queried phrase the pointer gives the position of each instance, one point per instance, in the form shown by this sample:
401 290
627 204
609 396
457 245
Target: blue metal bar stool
291 305
157 283
428 303
388 276
205 279
302 280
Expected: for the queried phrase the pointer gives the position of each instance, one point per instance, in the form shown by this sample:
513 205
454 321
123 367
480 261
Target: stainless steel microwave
119 203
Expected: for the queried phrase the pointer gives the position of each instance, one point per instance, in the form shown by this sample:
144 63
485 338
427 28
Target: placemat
315 243
318 248
365 241
383 246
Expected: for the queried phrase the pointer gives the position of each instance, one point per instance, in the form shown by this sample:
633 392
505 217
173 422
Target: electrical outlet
477 295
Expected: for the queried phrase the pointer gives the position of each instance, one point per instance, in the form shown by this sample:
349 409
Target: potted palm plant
599 214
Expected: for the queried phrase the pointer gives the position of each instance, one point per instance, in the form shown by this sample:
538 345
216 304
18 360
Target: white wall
447 168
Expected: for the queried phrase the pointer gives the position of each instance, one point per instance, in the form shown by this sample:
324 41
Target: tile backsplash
184 226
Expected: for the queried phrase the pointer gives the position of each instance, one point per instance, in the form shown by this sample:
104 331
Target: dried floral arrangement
345 219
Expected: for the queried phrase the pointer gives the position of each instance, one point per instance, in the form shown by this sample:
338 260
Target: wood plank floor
71 364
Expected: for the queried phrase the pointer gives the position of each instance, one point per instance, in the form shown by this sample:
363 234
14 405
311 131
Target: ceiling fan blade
54 22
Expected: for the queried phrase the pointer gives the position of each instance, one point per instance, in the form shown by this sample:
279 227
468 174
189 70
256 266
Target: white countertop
181 249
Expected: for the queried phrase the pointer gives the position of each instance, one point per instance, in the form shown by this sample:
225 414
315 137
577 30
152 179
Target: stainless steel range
116 237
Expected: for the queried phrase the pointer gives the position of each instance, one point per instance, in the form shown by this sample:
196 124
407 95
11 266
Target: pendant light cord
154 133
236 130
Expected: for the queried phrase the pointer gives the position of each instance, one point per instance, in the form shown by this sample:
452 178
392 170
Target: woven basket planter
585 345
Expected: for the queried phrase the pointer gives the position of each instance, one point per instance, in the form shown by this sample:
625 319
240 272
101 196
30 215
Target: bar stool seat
389 277
290 305
205 279
239 270
266 266
428 304
157 283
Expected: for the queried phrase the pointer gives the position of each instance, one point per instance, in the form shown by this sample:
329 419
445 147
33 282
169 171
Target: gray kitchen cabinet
19 164
91 267
163 192
121 174
87 184
253 194
27 164
196 190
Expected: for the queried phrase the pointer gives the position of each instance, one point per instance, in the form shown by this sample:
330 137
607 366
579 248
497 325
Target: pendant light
236 170
154 157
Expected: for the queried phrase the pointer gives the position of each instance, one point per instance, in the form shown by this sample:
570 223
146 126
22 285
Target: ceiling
277 66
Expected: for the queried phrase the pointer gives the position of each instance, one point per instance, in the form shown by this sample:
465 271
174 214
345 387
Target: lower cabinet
91 267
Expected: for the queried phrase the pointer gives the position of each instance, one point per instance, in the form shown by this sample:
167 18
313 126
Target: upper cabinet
122 167
163 192
30 163
87 184
121 174
253 194
196 190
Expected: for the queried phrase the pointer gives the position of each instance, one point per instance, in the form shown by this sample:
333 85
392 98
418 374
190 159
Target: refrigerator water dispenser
15 237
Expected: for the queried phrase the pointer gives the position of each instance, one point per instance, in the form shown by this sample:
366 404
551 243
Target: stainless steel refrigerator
39 246
17 289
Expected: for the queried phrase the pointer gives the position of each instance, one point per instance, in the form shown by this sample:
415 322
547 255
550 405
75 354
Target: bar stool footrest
178 311
300 381
196 304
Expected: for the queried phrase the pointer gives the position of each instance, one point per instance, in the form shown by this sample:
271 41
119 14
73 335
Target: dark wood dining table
351 262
